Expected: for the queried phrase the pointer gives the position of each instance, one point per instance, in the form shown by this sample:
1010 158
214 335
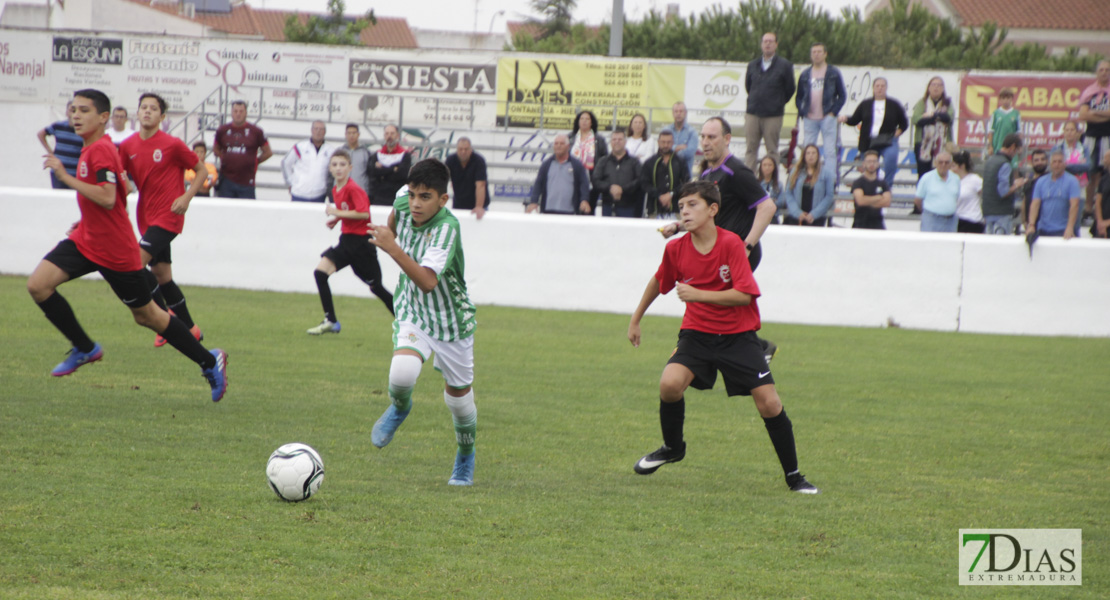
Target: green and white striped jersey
445 313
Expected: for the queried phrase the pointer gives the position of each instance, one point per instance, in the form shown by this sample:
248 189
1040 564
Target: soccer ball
295 472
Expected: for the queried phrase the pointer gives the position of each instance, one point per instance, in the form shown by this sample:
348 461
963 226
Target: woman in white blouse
640 144
969 206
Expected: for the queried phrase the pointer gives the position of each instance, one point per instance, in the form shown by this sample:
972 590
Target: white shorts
454 360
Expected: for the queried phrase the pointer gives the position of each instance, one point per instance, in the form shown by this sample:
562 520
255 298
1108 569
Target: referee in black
745 208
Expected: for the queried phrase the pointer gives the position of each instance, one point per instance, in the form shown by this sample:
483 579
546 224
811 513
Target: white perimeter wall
947 282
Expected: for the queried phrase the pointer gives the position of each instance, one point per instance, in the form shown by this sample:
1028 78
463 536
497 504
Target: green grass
125 481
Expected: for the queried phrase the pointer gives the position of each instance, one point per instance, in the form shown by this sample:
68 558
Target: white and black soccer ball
295 472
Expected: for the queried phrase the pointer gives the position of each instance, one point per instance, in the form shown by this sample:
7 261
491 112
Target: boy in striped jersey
434 312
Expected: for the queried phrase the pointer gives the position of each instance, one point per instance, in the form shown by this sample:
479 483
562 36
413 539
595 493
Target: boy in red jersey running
104 241
352 208
709 270
157 163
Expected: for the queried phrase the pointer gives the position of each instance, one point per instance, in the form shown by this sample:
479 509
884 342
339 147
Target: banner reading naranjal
533 93
1045 103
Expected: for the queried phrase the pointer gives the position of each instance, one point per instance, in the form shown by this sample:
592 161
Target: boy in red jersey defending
157 163
352 208
709 270
104 241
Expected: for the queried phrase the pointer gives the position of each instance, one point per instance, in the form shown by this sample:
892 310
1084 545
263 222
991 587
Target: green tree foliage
905 35
334 28
556 16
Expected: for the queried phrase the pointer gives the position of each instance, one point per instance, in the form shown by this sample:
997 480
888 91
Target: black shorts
738 356
156 242
130 286
357 252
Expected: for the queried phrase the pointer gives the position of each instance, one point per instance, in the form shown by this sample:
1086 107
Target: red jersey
724 268
240 145
352 197
158 167
105 236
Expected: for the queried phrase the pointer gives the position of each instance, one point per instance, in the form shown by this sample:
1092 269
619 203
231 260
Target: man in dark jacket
389 169
821 96
617 178
562 185
662 175
770 84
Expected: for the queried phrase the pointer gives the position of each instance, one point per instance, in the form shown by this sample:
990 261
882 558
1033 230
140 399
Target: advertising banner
1045 103
24 69
87 62
548 93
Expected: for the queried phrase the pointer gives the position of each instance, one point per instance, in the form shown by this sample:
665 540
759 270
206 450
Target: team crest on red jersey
158 155
726 274
83 169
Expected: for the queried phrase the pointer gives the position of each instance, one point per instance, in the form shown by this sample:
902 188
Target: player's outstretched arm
424 278
103 195
651 292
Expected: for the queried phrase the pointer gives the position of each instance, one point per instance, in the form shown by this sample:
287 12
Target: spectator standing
638 142
685 136
809 191
662 175
937 195
1000 187
562 185
1077 158
1055 207
67 146
769 82
241 147
969 206
588 146
932 125
769 181
617 177
1094 108
882 121
212 175
305 166
821 96
120 129
1038 160
1102 200
359 156
870 194
469 180
1005 120
390 168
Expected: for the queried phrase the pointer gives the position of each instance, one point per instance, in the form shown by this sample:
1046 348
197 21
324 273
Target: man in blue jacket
821 95
562 186
770 84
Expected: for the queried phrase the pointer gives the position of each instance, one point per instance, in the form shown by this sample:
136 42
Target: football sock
382 293
672 415
325 296
782 438
175 300
178 336
60 314
465 416
403 372
155 289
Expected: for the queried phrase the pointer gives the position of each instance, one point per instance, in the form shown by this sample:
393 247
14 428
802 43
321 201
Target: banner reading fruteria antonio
1045 102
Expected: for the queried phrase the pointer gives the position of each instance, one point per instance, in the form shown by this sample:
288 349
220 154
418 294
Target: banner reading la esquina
46 67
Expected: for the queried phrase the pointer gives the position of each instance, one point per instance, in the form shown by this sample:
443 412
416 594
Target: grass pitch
125 481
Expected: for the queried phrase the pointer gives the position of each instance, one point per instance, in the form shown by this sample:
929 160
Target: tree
557 16
334 28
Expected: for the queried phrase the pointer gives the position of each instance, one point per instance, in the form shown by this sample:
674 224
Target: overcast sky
459 15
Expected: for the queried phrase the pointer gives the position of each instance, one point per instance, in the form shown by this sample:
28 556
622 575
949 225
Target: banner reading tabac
1045 102
549 92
